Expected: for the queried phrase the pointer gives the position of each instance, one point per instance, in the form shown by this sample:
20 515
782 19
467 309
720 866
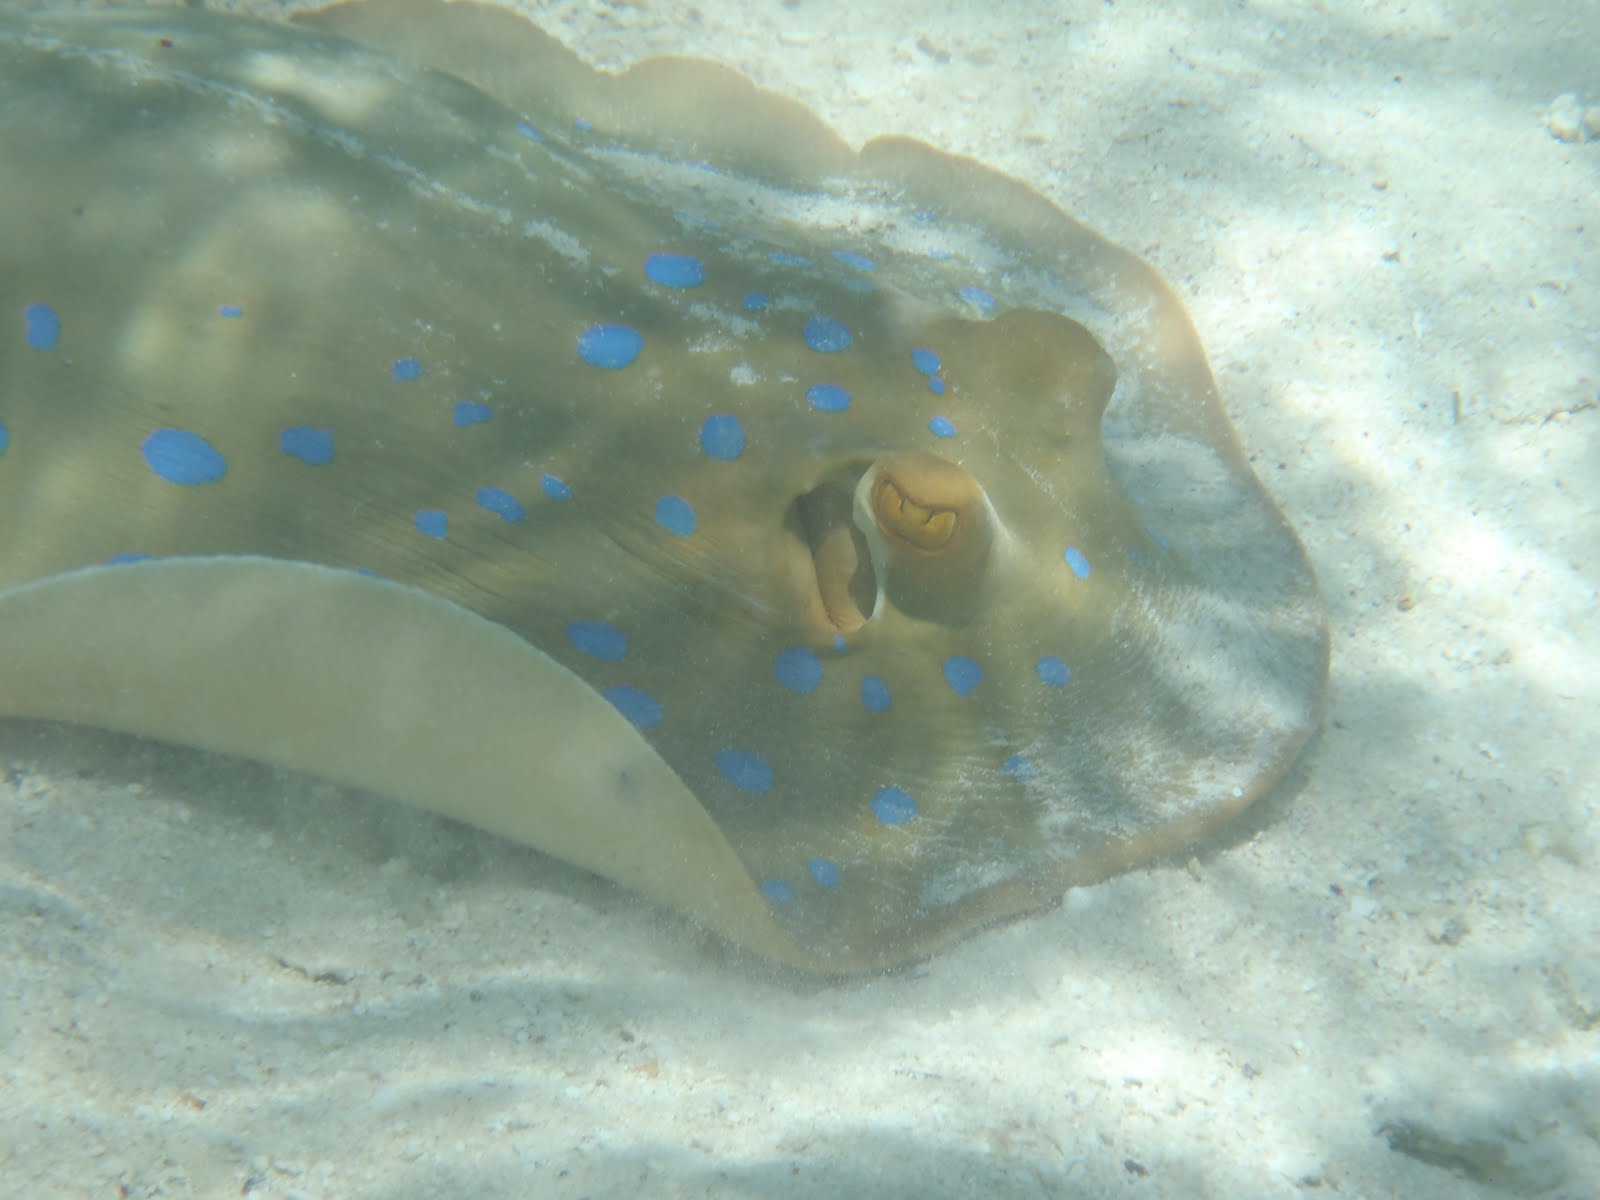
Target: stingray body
847 549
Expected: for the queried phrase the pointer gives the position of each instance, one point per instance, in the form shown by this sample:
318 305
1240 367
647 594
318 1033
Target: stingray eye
932 528
928 527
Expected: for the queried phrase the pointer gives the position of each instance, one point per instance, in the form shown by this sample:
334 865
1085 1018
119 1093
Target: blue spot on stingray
643 709
875 694
745 769
784 259
859 261
777 891
825 871
1053 670
722 436
925 360
598 640
584 124
962 674
5 437
840 645
610 346
757 302
893 806
528 131
827 397
232 311
926 215
179 456
977 297
1135 557
691 220
675 270
1076 560
130 556
501 503
826 335
406 369
470 412
555 488
41 326
1158 537
675 515
432 522
942 427
798 669
1019 767
314 447
936 386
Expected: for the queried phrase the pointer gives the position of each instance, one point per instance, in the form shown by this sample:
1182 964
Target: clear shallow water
1384 984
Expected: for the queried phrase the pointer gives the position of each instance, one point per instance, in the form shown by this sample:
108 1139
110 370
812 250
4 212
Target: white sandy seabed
217 980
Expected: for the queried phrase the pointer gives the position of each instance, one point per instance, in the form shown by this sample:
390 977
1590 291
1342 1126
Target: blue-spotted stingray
845 548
